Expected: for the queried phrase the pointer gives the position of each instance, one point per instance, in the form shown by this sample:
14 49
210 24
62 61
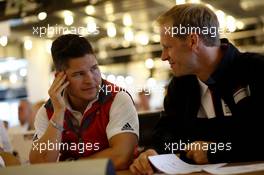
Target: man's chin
90 96
177 74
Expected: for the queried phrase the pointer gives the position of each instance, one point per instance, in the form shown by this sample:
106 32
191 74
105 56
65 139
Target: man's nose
88 77
164 55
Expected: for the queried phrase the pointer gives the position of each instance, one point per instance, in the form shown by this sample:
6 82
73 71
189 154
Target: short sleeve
123 116
41 122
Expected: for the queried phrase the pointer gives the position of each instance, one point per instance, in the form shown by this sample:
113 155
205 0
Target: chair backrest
21 143
147 123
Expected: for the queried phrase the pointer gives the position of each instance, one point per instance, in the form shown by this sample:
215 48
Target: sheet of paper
236 169
171 164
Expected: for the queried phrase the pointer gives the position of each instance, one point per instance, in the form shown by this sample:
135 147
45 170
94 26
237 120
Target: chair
147 123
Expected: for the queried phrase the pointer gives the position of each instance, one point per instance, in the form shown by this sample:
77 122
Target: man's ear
194 41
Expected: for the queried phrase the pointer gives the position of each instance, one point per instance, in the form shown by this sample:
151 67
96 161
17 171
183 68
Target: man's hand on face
199 156
58 85
141 165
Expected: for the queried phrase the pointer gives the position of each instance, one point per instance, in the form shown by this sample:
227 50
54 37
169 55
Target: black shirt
238 80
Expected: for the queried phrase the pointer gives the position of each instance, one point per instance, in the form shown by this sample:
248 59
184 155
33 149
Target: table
127 172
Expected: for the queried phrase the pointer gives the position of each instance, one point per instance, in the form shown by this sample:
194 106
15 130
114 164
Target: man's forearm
121 150
40 151
121 158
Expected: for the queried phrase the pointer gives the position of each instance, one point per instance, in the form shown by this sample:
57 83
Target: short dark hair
68 47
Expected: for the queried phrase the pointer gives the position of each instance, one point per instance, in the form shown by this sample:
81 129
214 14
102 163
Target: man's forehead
88 59
165 28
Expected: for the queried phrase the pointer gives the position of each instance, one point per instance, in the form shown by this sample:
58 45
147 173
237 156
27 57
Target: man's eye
94 68
77 74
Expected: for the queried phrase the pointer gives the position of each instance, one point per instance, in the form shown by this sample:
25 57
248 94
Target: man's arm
122 132
120 151
52 134
38 154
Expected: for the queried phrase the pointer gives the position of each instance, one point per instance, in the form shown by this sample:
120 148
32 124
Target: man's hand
141 165
58 85
199 156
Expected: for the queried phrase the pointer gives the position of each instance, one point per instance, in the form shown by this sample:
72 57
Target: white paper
171 164
236 169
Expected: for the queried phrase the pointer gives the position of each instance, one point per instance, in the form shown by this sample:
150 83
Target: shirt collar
203 87
229 53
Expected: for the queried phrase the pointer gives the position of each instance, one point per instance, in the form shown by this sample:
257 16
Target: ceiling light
3 41
68 20
13 78
128 35
42 16
240 25
149 63
89 10
221 18
178 2
109 9
230 23
127 20
142 38
28 44
111 29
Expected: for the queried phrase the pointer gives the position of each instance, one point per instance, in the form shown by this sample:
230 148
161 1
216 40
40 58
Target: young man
86 116
215 96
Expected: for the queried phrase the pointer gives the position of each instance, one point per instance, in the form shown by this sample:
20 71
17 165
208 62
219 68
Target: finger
138 166
188 148
143 160
63 87
200 157
197 158
189 154
151 152
134 170
58 76
56 81
56 88
59 83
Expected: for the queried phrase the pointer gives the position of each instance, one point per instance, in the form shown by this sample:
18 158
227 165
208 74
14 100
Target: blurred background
122 33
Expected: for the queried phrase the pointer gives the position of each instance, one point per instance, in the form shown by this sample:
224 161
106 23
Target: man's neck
77 104
212 57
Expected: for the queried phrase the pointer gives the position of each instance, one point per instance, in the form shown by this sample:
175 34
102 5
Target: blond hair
193 16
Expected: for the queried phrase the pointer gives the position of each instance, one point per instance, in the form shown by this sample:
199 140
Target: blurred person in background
35 107
4 139
143 103
6 157
6 124
24 114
